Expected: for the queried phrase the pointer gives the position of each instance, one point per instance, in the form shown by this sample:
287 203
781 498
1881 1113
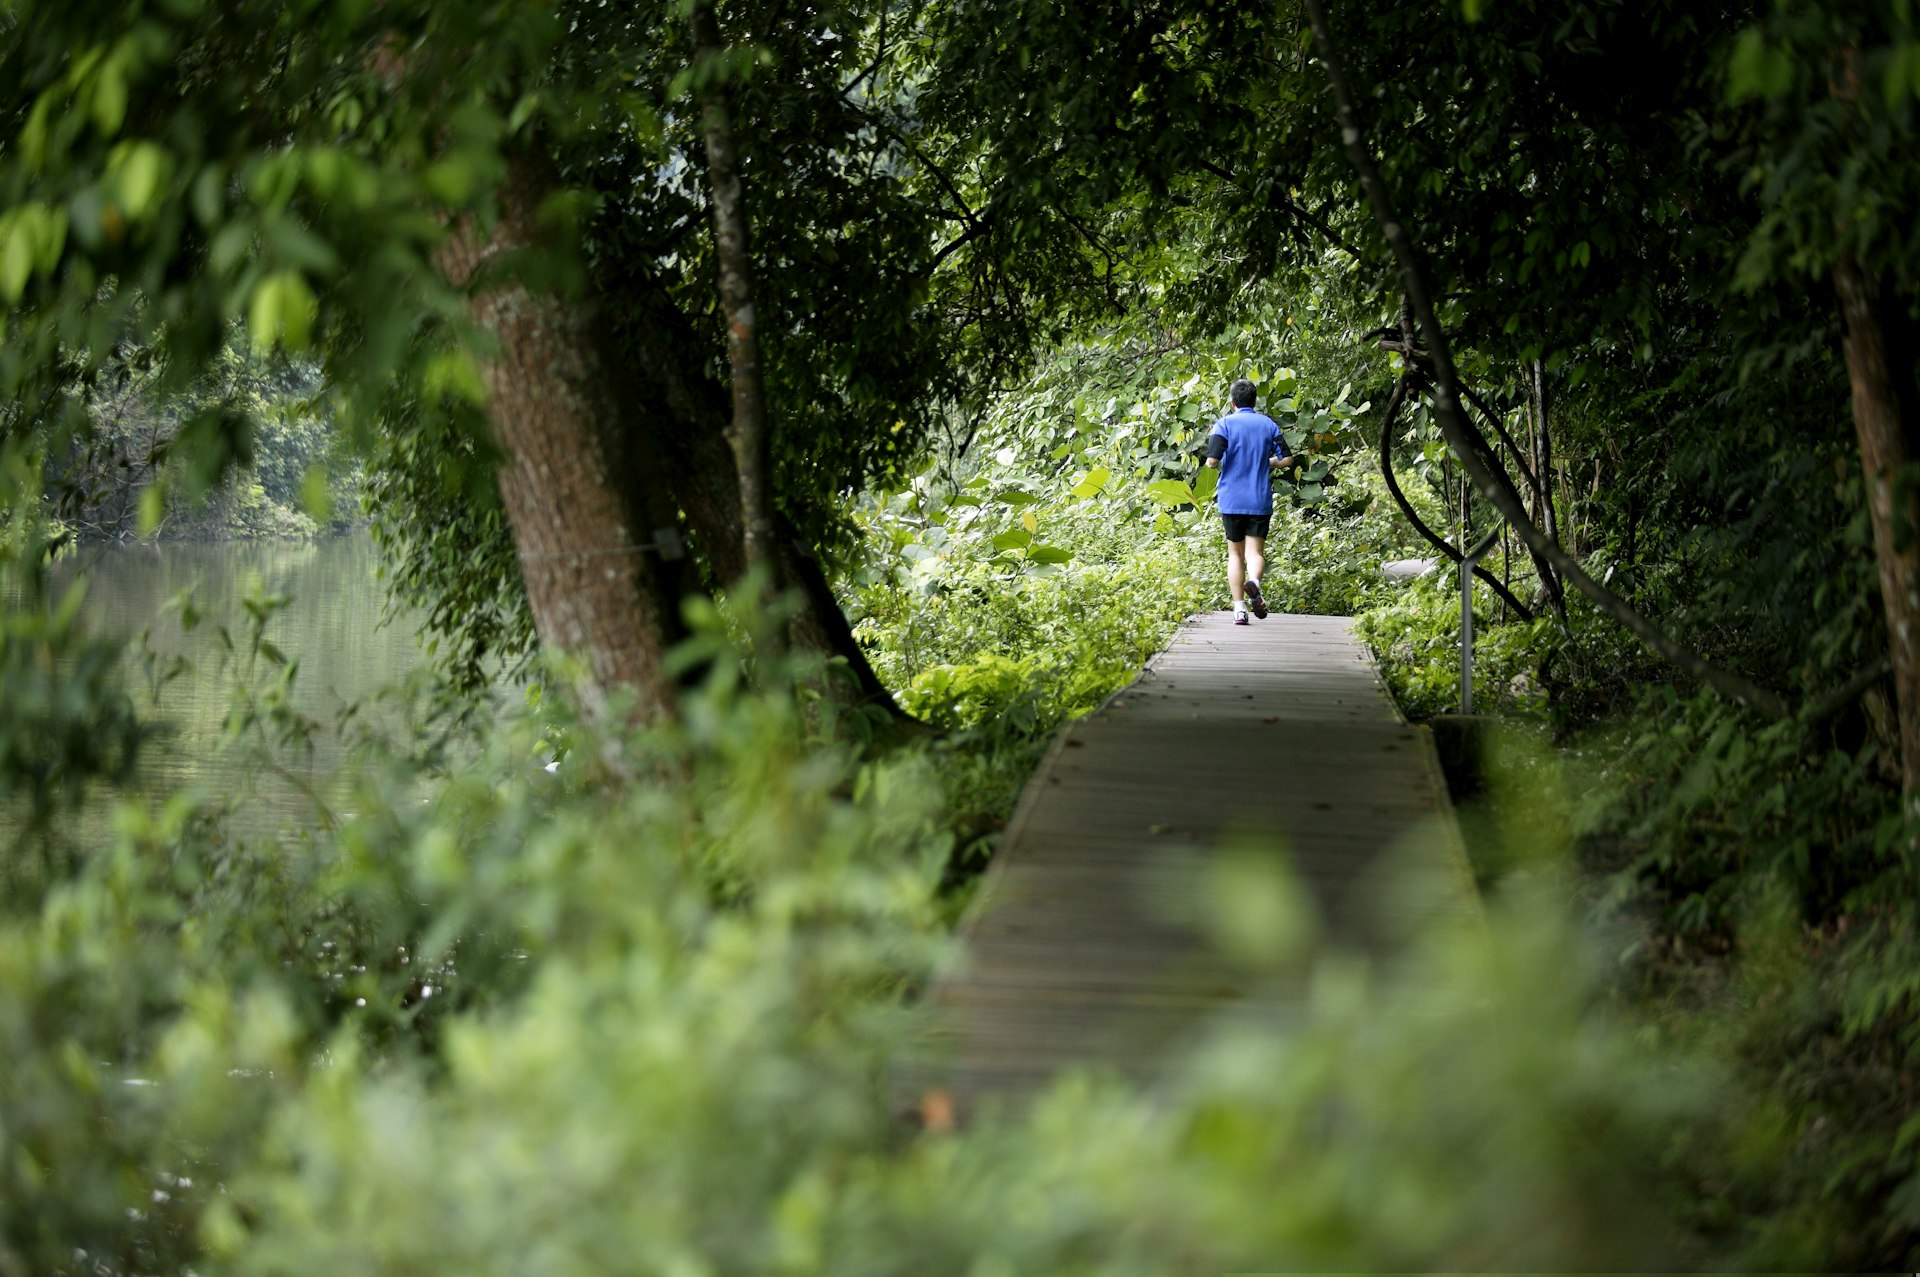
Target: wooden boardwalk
1077 952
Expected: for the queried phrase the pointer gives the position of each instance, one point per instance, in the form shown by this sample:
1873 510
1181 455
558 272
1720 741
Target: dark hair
1242 393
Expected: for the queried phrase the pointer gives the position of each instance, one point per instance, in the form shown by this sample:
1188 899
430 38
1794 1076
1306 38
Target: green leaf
16 258
451 374
110 97
316 494
1204 485
1171 492
153 508
1091 483
282 312
1757 69
32 238
1016 498
1903 73
1049 554
138 171
1014 539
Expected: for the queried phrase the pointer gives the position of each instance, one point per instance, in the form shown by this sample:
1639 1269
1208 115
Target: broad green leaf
1049 554
1016 498
110 96
1015 539
1757 69
282 312
1204 485
1170 492
316 494
16 257
1091 483
32 238
137 172
153 508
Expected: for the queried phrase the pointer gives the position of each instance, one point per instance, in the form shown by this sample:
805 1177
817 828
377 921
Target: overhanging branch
1462 436
1440 543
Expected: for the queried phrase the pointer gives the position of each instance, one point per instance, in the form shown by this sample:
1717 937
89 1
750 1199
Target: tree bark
752 451
1892 500
573 481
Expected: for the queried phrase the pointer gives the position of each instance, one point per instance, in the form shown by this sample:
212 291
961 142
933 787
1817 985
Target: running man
1246 447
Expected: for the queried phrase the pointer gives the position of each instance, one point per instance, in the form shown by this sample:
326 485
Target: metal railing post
1467 565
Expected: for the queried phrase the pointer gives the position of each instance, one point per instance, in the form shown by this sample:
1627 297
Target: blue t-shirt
1252 441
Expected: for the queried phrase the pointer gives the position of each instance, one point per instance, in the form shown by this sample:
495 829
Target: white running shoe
1257 599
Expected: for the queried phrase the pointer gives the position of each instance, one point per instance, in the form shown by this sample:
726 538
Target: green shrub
1415 634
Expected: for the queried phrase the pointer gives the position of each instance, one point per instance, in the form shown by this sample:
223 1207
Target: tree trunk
1891 501
574 481
659 344
752 452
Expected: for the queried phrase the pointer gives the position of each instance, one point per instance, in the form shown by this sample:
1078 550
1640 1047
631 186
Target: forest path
1083 950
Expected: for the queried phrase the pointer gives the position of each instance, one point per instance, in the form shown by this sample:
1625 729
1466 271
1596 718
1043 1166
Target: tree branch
1461 435
1313 220
1440 543
1826 706
1499 427
1549 580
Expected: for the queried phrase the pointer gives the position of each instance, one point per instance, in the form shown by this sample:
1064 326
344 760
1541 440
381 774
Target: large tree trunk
1893 505
574 482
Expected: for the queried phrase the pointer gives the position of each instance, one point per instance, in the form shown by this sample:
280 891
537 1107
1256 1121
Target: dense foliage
131 473
420 1036
647 1010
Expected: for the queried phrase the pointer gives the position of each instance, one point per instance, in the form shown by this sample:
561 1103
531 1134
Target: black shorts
1241 526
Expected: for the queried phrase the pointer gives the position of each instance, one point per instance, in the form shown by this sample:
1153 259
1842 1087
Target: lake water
333 626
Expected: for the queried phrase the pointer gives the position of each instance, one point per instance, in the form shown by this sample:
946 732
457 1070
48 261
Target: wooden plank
1083 949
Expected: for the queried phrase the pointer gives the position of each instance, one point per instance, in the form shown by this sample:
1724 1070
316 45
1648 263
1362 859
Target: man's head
1242 393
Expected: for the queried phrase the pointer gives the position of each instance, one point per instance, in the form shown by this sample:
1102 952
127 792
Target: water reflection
332 627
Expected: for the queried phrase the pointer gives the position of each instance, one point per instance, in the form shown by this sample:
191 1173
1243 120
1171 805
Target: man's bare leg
1237 572
1256 564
